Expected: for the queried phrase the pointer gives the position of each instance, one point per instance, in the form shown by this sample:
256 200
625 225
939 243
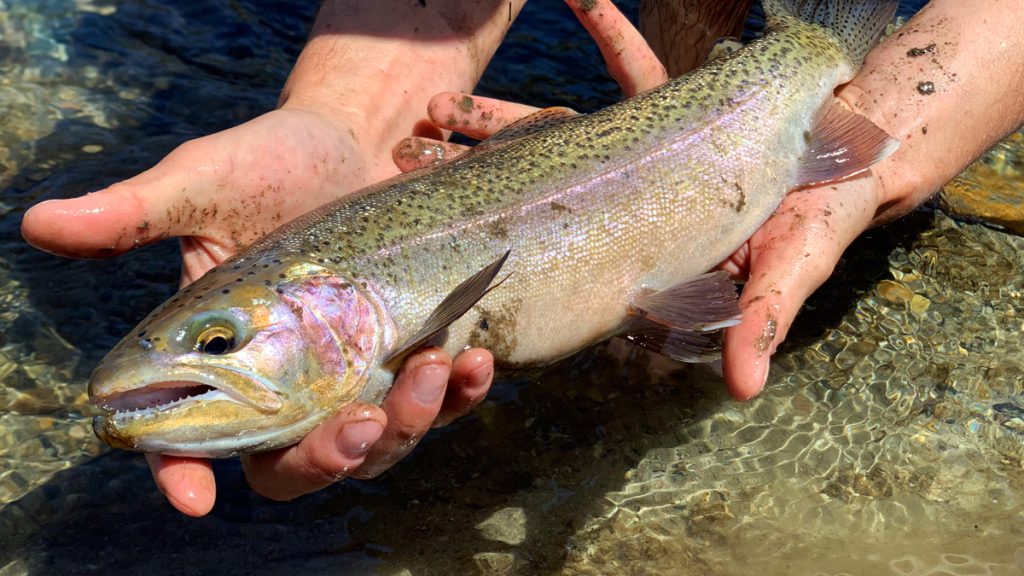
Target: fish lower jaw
214 445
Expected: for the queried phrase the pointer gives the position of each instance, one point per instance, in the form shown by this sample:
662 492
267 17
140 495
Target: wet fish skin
597 211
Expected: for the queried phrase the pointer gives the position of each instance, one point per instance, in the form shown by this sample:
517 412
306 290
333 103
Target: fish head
248 358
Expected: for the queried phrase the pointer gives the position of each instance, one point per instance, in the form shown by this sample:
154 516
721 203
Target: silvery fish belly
558 232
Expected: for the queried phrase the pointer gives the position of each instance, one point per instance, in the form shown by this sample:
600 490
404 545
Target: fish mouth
160 396
141 392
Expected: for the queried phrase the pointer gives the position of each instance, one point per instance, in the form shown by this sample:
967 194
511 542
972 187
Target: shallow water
889 440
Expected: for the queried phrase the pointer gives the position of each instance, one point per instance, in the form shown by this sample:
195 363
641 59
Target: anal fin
685 321
842 144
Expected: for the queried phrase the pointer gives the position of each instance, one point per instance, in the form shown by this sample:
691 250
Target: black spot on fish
498 230
225 291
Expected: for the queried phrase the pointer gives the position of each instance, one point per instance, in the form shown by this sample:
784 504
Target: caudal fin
856 24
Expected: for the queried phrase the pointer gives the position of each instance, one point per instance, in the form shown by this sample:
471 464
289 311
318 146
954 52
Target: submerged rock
991 190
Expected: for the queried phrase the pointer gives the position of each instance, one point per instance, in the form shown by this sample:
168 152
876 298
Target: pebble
894 291
991 190
919 304
507 525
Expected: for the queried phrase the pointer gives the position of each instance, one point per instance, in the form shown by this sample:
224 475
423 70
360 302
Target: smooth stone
507 525
992 189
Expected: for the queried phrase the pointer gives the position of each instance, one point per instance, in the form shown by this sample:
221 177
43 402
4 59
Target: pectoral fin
842 144
684 322
457 303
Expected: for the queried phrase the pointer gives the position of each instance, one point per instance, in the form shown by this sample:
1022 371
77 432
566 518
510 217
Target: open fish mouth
142 392
207 411
159 396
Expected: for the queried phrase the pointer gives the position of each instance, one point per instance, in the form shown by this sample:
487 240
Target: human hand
219 193
797 249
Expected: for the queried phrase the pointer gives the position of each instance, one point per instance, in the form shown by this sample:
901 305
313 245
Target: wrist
371 67
926 83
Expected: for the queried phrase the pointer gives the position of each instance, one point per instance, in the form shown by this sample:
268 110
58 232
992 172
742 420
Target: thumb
166 200
790 257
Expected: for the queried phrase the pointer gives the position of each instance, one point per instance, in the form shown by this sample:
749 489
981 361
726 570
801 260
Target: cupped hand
219 193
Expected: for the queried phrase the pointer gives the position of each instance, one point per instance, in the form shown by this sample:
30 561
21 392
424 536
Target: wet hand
219 193
361 441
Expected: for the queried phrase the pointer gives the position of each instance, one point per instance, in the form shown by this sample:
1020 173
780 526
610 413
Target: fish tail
856 24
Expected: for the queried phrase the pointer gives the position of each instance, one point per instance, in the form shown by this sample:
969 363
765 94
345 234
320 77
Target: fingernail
356 439
427 386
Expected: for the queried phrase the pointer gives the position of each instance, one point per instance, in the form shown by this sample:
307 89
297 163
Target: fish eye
215 333
216 340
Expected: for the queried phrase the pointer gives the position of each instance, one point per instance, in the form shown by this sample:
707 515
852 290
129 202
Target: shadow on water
143 77
506 489
547 451
864 263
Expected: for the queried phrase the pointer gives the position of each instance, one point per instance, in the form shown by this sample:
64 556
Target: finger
790 257
626 54
198 257
187 483
474 116
129 214
415 152
326 455
472 373
412 405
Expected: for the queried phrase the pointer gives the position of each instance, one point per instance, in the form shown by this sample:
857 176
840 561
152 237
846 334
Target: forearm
948 85
376 63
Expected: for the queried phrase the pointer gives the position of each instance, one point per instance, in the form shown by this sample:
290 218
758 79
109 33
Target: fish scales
642 177
594 212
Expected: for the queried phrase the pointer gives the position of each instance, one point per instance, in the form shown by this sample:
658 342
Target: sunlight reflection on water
889 440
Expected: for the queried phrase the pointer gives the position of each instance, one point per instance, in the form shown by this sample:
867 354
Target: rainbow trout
554 234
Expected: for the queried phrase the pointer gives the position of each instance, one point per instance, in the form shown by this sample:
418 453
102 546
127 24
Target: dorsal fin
722 48
457 303
539 120
842 144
